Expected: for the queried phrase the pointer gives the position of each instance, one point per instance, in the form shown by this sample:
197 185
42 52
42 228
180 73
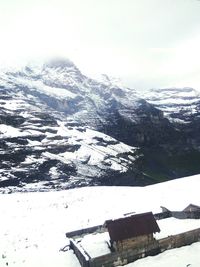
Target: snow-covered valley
33 225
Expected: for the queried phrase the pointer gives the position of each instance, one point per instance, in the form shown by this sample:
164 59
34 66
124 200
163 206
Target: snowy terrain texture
42 145
60 129
33 225
180 105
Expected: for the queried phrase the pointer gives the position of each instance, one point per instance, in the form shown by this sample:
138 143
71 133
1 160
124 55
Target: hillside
33 225
44 147
61 129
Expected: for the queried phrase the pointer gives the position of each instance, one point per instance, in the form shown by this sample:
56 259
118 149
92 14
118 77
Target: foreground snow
33 225
182 257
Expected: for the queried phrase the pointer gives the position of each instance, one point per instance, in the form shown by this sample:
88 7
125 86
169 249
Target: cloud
146 43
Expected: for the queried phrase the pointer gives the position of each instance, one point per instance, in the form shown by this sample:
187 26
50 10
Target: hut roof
192 207
135 225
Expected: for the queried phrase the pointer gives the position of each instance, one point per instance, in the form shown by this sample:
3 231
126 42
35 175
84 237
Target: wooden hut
132 232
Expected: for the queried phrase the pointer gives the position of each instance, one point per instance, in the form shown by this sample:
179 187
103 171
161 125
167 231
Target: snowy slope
33 225
180 105
62 129
99 104
42 149
61 85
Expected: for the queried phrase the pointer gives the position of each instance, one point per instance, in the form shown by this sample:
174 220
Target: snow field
33 225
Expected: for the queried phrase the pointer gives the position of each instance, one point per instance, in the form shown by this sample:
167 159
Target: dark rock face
179 154
150 128
60 129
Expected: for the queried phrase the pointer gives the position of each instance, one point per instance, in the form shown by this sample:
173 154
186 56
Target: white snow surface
9 131
96 244
40 86
33 225
187 256
173 226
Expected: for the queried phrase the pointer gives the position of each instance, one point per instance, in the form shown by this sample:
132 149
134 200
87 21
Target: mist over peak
59 62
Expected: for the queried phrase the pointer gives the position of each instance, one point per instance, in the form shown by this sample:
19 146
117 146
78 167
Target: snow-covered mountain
44 149
102 105
61 129
180 105
64 88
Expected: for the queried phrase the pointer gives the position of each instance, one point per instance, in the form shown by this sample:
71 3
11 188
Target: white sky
147 43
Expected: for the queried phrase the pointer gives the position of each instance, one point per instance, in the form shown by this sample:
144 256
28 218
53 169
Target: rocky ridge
61 129
42 147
